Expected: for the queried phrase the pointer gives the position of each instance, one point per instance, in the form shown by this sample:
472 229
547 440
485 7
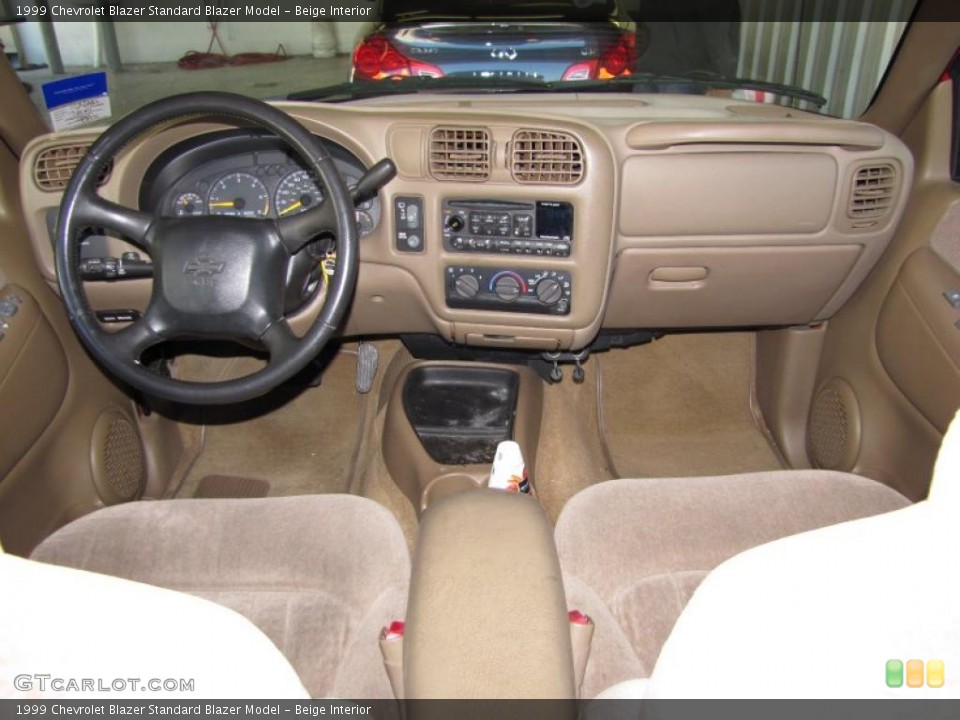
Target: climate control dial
508 286
467 286
549 291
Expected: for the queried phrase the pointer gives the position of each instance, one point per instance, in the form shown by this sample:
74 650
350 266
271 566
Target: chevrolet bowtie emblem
203 269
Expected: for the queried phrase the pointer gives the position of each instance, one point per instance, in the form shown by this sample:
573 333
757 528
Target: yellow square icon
935 673
914 673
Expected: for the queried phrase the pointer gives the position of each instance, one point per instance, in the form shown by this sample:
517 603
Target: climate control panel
543 292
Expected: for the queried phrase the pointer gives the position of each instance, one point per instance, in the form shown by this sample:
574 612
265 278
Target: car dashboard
534 222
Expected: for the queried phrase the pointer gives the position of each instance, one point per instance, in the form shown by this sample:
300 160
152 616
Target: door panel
918 339
33 373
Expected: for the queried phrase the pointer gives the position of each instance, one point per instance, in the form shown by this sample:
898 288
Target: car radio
518 228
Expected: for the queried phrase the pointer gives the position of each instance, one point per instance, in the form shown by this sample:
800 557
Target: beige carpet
570 456
371 477
681 406
301 443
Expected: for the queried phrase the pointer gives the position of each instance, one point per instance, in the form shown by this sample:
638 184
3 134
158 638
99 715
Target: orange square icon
935 673
914 673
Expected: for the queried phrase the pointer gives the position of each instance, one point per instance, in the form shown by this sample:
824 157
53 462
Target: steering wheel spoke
279 339
134 225
133 340
298 230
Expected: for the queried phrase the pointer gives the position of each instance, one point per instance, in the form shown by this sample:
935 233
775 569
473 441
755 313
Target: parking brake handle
373 179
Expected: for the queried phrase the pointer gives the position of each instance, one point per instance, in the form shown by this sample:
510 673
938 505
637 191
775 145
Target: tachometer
296 192
188 204
240 194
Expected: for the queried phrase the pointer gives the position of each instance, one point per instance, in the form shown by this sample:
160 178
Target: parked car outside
484 39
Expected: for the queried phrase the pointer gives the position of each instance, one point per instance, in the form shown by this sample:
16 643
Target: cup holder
459 413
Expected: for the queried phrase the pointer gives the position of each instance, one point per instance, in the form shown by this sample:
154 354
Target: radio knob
549 291
507 288
467 286
455 223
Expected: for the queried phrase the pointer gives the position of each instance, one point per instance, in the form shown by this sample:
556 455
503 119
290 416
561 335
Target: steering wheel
214 277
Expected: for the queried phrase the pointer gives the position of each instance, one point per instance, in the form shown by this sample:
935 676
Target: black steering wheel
214 277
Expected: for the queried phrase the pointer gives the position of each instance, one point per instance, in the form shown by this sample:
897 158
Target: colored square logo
914 673
894 673
935 673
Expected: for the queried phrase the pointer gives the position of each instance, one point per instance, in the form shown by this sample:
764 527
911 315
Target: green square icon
894 673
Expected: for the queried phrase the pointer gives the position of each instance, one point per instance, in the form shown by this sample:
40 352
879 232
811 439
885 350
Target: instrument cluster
262 182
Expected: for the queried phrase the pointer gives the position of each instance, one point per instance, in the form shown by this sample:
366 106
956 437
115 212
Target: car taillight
376 58
620 58
581 71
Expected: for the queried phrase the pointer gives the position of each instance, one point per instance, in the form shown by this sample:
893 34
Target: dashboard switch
408 229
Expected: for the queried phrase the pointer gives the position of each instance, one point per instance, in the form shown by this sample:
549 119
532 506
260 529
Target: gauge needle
224 203
293 206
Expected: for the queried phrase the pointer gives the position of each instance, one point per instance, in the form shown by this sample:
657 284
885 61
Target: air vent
546 157
54 166
460 153
873 192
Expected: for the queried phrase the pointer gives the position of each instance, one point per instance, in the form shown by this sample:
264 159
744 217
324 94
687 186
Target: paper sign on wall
76 101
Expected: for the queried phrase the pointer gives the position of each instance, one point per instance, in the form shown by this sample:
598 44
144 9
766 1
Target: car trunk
496 49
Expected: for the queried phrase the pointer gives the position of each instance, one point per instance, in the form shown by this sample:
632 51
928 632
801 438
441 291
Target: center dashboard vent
460 153
54 166
874 191
538 156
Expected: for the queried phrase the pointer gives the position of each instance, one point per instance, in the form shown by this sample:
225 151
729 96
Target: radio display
554 220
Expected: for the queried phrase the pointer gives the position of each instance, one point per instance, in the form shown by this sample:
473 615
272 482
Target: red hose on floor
208 60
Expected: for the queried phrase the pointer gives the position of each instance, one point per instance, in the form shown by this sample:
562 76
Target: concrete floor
137 85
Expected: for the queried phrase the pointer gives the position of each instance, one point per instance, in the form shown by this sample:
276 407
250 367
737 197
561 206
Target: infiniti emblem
504 54
204 270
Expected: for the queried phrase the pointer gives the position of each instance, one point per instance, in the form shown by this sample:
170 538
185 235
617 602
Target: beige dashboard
687 211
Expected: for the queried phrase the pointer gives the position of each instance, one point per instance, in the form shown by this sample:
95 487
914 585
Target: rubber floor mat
226 486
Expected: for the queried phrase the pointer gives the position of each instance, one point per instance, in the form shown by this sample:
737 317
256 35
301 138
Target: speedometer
239 194
296 192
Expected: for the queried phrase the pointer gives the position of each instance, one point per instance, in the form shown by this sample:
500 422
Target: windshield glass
813 56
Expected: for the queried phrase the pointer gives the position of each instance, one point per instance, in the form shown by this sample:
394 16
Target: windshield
782 53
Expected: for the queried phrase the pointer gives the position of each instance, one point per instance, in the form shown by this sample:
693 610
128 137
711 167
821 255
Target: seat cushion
643 546
76 624
318 574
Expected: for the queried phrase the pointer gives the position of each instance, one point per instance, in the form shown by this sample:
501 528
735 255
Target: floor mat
681 406
301 442
570 456
227 486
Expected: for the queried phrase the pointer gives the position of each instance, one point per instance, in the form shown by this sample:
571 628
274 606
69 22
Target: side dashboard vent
54 166
538 156
460 153
874 191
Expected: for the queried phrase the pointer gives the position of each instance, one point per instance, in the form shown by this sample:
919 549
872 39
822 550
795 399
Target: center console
542 228
445 419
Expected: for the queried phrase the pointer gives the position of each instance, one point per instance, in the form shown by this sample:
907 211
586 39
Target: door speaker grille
833 428
117 458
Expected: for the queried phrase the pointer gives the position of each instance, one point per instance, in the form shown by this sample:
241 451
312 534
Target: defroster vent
460 153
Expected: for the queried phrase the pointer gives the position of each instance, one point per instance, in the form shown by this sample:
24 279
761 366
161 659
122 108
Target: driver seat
318 575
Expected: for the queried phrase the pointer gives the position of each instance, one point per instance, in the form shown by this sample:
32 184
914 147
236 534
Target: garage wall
142 42
842 61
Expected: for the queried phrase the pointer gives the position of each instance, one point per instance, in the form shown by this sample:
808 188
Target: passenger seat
633 552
